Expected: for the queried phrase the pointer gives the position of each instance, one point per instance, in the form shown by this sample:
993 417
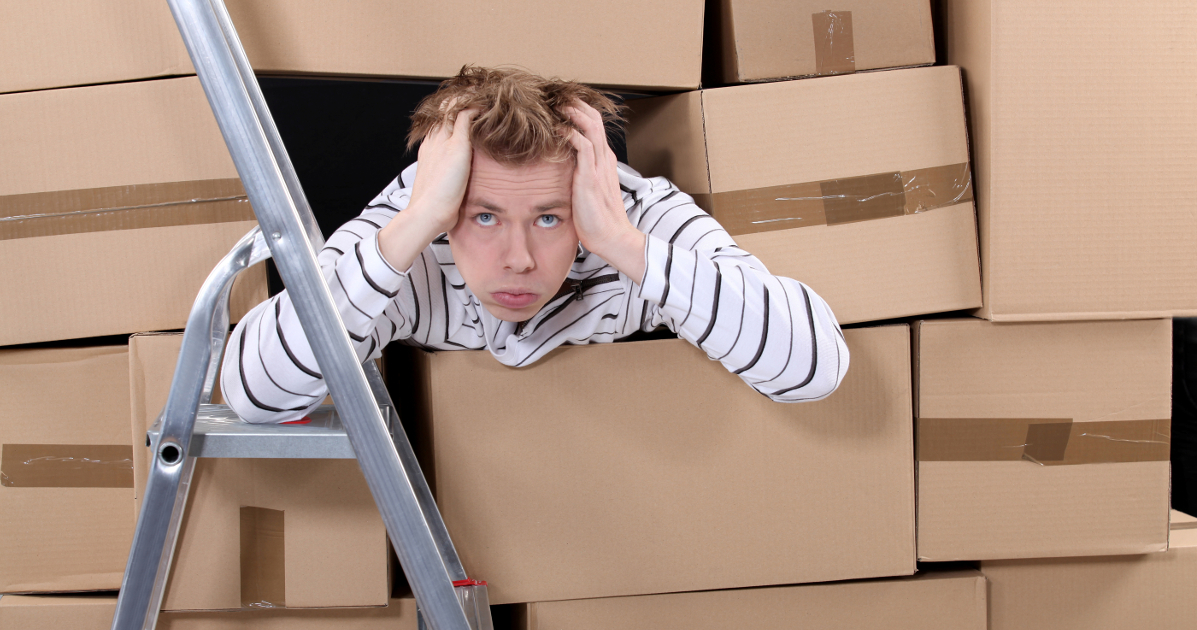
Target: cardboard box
66 475
293 533
59 43
856 185
644 467
1146 591
95 613
929 601
1083 123
116 201
1042 440
760 40
65 43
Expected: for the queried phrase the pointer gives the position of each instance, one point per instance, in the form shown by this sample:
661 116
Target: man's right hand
441 179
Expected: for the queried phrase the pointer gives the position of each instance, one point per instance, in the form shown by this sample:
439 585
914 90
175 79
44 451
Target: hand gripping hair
519 119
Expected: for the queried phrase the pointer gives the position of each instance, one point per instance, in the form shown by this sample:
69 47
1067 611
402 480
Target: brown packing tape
66 466
1047 442
834 49
839 201
263 553
123 208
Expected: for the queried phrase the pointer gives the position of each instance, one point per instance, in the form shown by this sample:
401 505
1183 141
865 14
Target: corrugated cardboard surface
335 550
773 39
929 601
1084 126
761 136
67 538
1083 371
122 264
110 135
95 613
661 47
1154 590
39 612
644 467
56 43
59 43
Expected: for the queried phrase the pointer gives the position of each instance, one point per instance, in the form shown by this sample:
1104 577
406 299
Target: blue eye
547 220
485 218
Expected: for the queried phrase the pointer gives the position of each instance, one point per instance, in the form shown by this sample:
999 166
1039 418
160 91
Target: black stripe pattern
773 332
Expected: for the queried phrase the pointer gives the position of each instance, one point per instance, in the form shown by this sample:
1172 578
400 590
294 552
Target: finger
461 126
584 148
591 128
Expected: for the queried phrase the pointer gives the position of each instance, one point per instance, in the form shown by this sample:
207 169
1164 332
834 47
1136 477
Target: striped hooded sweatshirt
773 332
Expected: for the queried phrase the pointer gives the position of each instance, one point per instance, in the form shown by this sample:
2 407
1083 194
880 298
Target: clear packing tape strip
263 554
834 49
66 466
123 208
1046 442
839 201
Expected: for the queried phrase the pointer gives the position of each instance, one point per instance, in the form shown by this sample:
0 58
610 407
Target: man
518 231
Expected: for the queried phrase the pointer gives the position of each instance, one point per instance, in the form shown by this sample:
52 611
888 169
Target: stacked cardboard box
858 186
66 470
1040 440
764 40
686 479
116 201
94 612
1040 447
63 43
1099 593
281 533
117 197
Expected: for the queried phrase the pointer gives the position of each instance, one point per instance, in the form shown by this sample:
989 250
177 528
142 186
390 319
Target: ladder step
219 432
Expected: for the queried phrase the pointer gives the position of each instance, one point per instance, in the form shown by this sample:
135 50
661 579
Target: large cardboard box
644 467
949 600
60 43
94 612
66 470
1084 127
1042 440
116 201
293 533
761 40
75 42
856 185
1153 590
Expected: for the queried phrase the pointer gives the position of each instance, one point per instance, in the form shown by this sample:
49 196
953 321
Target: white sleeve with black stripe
269 373
773 332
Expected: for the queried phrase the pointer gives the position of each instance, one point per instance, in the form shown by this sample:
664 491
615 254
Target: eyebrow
541 209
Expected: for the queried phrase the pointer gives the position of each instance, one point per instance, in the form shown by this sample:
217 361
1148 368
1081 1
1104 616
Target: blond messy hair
519 119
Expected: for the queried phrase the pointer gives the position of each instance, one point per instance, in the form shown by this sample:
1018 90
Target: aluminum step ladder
447 598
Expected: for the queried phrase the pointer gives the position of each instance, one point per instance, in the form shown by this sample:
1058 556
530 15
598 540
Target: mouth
514 298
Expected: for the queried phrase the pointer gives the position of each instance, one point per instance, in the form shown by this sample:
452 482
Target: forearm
775 333
406 235
273 376
268 373
626 252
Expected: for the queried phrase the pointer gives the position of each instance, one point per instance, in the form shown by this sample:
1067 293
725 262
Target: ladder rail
407 456
170 469
213 50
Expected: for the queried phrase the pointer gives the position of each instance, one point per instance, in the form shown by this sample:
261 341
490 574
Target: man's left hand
598 212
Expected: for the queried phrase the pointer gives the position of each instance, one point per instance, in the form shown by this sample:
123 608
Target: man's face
514 241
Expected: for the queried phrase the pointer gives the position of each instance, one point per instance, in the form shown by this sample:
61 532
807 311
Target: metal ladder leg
412 521
407 456
171 467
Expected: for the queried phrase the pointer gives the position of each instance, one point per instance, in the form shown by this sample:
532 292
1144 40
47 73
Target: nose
518 256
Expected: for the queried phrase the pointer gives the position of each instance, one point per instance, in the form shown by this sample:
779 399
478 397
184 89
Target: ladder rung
220 433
